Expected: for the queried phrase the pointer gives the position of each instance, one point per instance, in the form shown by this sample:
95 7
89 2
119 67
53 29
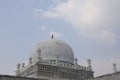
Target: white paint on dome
53 48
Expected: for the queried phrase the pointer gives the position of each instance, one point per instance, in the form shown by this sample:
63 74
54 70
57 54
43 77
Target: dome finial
52 36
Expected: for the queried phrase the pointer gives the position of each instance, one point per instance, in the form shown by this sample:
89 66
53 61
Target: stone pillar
23 65
30 60
18 66
57 61
18 69
39 55
76 62
89 64
114 67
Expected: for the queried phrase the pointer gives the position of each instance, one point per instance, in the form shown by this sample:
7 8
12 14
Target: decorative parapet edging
9 77
109 75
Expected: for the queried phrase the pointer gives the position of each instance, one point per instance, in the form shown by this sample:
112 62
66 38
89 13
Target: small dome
53 49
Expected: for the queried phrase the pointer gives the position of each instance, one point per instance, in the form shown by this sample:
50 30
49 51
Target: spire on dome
52 36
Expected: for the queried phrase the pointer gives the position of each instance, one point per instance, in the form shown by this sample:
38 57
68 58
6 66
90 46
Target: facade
8 77
54 60
113 76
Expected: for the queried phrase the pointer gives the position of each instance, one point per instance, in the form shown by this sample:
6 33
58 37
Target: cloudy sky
90 27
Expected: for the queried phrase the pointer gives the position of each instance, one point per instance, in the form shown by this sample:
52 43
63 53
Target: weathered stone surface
8 77
54 60
112 76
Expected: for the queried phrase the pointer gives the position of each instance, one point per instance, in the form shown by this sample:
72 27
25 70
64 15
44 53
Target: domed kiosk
53 59
52 50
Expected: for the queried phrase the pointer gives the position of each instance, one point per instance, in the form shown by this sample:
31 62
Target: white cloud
37 12
92 18
106 36
49 31
49 14
43 27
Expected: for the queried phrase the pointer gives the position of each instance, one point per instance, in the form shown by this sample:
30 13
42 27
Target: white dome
53 49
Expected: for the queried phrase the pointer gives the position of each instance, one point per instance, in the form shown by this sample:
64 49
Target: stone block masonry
9 77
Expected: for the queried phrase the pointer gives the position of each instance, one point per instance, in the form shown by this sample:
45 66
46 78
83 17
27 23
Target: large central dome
53 49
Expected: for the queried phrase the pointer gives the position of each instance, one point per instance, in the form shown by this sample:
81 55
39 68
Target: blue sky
90 27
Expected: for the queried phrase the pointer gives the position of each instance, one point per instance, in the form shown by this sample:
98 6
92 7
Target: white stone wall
113 76
7 77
